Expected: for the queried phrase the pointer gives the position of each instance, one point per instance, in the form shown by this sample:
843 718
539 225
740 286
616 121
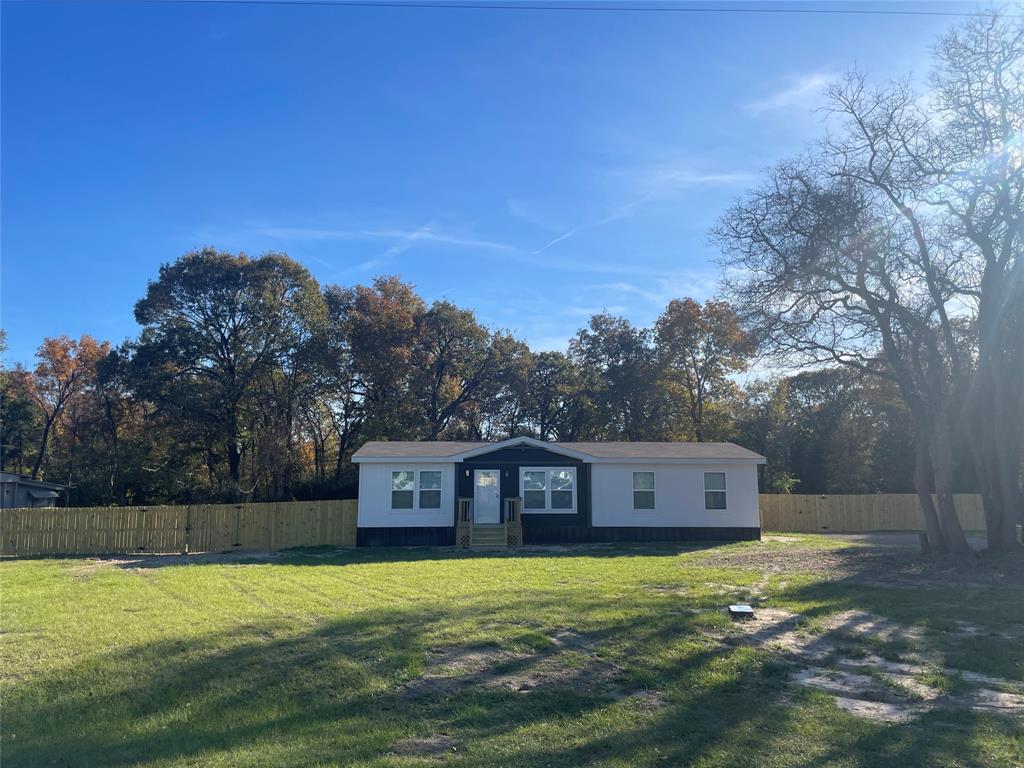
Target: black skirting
579 534
406 537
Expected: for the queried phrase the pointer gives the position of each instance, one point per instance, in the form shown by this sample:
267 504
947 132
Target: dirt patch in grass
426 746
829 658
86 568
667 589
648 700
883 566
569 662
450 670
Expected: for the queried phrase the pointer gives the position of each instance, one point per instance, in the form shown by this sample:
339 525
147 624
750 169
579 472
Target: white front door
486 496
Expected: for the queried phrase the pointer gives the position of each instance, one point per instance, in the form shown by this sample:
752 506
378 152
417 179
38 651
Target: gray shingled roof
610 450
663 450
382 449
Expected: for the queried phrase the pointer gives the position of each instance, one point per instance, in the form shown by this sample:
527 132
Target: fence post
188 528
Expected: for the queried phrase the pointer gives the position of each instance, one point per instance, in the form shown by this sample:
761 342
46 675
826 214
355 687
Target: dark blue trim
509 461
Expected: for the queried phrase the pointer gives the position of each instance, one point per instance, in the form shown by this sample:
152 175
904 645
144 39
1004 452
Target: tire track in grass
325 598
275 600
237 583
159 583
383 590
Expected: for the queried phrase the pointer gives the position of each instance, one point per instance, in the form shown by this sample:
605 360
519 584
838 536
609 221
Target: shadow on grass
973 627
361 555
272 693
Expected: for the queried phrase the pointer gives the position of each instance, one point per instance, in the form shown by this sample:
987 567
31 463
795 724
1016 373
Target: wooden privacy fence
281 525
849 514
192 528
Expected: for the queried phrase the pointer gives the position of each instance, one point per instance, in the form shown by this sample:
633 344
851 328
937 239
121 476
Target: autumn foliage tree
65 370
701 347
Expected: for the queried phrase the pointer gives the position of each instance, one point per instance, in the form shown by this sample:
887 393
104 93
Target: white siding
678 498
375 498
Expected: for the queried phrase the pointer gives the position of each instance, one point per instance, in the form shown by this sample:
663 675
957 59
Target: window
403 485
643 490
561 482
430 489
406 492
534 489
714 490
548 489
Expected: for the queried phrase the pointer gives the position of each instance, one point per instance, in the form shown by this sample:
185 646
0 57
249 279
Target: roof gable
560 448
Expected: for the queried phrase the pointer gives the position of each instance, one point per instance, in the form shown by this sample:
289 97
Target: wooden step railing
513 509
513 521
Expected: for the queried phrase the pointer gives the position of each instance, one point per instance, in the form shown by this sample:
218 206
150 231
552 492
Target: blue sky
534 166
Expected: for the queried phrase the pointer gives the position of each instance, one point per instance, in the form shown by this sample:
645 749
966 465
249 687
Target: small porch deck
508 532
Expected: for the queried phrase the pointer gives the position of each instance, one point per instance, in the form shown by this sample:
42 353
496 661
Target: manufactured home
529 491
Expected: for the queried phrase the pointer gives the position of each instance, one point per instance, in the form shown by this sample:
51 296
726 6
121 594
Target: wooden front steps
488 537
481 536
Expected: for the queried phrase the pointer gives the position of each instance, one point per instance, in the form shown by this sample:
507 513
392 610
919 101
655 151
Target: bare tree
828 276
894 246
973 170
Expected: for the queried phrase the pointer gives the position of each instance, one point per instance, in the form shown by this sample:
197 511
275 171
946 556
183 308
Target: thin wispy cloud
588 312
681 178
403 239
560 238
404 243
800 91
398 240
640 300
659 181
660 290
321 261
426 233
527 212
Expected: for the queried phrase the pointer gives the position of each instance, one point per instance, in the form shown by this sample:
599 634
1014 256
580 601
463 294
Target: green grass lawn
592 656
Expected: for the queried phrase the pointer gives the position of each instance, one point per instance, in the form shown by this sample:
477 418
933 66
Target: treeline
249 380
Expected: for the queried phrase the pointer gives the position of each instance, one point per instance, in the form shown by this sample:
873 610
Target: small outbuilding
21 492
525 490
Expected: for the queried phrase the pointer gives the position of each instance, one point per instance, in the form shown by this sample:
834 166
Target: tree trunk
995 443
942 469
42 449
923 485
340 463
997 405
234 463
1009 459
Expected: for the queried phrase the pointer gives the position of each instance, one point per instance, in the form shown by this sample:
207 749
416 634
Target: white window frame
723 490
415 491
547 490
653 491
